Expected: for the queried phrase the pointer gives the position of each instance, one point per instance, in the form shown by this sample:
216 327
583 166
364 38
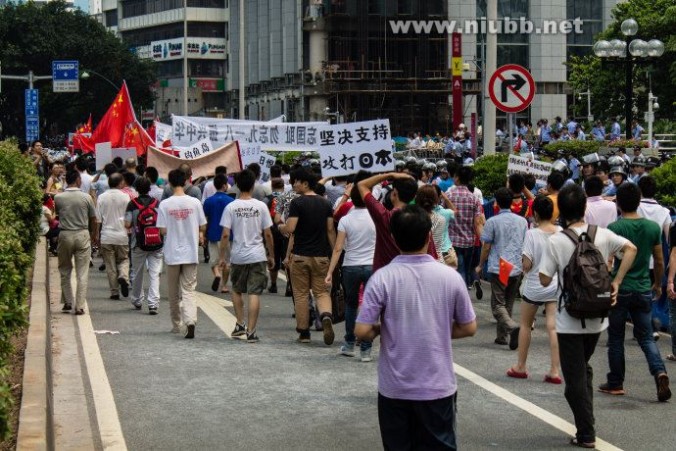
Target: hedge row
21 200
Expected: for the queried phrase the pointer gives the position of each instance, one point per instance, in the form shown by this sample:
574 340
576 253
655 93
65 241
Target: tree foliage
33 36
606 80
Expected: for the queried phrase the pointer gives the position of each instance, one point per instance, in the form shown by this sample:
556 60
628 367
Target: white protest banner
202 166
347 148
250 153
266 161
198 149
103 154
162 132
270 136
522 165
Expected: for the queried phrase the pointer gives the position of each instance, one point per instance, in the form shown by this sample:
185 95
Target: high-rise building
341 60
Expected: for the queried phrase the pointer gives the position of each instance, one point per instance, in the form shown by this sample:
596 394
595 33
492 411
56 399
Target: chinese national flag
505 270
118 126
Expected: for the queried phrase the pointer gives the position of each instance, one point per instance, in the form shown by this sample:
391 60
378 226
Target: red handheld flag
505 270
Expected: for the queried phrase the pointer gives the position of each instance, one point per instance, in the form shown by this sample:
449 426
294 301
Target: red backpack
148 236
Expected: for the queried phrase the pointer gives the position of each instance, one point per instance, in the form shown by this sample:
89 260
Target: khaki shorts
214 250
251 278
451 258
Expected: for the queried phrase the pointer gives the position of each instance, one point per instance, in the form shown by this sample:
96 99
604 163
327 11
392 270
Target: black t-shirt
310 237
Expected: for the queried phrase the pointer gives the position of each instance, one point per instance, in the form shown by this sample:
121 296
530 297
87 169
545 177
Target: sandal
517 375
225 291
556 380
579 444
79 311
215 284
671 357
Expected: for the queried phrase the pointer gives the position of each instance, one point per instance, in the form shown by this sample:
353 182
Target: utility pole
185 57
242 61
490 65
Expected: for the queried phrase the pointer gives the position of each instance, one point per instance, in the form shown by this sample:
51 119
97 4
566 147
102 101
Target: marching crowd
406 248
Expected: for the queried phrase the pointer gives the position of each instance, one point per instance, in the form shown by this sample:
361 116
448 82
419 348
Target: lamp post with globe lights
638 49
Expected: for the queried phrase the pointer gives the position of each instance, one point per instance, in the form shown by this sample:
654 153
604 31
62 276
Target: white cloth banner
523 165
274 136
348 148
198 149
250 153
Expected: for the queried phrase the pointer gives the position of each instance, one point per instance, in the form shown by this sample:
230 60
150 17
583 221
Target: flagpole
185 57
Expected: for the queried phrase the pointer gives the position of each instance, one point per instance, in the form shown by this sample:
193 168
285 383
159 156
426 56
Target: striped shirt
416 300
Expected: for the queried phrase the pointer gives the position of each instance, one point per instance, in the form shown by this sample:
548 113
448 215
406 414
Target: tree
33 36
656 20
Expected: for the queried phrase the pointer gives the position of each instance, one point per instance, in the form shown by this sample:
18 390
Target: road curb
36 414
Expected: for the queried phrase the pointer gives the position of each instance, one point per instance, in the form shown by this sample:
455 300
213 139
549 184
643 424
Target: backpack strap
574 237
591 232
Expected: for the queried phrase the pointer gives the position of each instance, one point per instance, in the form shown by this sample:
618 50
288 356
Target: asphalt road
214 392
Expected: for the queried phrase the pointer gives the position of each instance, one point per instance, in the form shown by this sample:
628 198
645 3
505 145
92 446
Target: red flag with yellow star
505 270
118 126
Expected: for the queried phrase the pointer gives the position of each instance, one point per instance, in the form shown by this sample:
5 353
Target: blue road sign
32 109
66 76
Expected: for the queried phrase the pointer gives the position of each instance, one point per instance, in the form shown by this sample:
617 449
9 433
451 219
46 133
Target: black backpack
585 285
148 236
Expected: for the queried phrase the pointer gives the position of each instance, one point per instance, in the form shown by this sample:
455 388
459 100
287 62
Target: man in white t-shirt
182 222
82 164
250 220
209 188
577 342
110 210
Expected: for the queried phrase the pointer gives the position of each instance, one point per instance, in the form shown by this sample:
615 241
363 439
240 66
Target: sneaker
272 289
514 338
365 355
102 267
240 329
124 286
251 337
479 290
137 306
616 391
656 336
500 341
152 310
304 337
115 297
190 331
67 307
663 392
347 349
327 325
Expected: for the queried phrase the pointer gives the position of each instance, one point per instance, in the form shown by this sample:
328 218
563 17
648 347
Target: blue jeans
639 307
353 277
465 263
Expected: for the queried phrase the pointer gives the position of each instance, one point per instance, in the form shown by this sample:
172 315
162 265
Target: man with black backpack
587 296
636 295
146 244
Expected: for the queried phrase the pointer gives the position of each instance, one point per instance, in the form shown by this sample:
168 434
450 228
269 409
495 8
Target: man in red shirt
403 192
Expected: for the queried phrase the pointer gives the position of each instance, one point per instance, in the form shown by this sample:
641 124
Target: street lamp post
638 49
587 93
86 73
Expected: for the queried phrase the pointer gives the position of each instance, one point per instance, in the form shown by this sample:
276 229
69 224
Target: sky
83 5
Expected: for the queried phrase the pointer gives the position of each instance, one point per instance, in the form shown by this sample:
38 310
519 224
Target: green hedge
21 200
490 173
665 177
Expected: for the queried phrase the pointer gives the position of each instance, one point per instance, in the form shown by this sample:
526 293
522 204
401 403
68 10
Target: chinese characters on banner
196 150
269 135
348 148
524 165
250 153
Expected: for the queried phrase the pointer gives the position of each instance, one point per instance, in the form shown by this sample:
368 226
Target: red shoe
517 375
556 380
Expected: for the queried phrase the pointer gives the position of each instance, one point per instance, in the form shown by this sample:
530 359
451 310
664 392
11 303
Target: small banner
524 165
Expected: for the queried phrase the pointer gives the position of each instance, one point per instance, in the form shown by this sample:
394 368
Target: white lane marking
215 309
110 429
527 406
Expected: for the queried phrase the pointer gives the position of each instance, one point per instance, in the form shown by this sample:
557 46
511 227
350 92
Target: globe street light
638 49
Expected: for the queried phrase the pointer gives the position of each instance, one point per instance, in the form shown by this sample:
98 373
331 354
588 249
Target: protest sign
250 153
162 132
123 152
522 165
104 155
203 165
198 149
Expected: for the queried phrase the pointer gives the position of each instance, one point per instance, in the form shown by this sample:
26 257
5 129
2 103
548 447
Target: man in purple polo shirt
416 381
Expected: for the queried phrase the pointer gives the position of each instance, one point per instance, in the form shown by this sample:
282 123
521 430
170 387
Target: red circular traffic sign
511 88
